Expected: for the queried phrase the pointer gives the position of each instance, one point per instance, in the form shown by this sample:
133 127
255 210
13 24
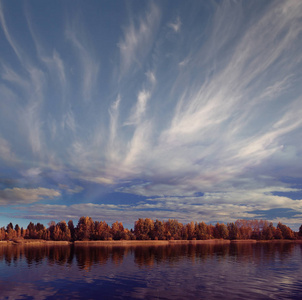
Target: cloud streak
175 25
8 35
205 106
89 63
138 39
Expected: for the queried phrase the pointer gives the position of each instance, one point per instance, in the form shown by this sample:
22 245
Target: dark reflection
87 256
172 254
215 271
241 251
261 252
34 255
61 255
145 256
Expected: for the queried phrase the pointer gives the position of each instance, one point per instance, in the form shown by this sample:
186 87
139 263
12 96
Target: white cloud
69 122
277 87
31 118
56 67
8 35
138 147
138 39
97 179
221 113
139 110
212 207
175 25
10 75
151 77
6 152
113 144
54 62
224 203
32 172
71 190
26 196
89 62
184 62
214 122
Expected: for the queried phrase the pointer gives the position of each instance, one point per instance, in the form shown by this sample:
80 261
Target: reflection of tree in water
60 255
243 252
204 252
172 254
88 256
147 256
261 252
34 255
118 254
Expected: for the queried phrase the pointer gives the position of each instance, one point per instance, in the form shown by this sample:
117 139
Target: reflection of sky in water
207 272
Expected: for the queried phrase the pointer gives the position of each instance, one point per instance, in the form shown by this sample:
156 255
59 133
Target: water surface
235 271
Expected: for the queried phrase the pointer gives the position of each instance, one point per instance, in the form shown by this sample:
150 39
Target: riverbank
119 243
150 242
147 243
177 242
34 242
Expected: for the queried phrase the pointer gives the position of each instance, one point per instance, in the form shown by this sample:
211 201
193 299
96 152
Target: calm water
242 271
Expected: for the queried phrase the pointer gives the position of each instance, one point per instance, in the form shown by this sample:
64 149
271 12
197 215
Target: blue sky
161 109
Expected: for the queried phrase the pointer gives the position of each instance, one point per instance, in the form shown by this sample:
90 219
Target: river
231 271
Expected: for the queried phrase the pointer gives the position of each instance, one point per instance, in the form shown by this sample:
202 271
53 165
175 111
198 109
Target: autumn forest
147 229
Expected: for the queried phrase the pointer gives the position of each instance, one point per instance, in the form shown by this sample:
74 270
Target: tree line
148 229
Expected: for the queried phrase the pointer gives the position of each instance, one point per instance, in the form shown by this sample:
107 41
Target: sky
119 110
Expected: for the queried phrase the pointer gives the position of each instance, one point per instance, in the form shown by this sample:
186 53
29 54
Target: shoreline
34 242
147 243
150 242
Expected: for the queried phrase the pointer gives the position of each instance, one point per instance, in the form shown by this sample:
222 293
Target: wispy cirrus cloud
29 87
113 143
27 109
8 35
90 64
6 152
138 111
138 38
207 105
175 25
51 59
221 112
